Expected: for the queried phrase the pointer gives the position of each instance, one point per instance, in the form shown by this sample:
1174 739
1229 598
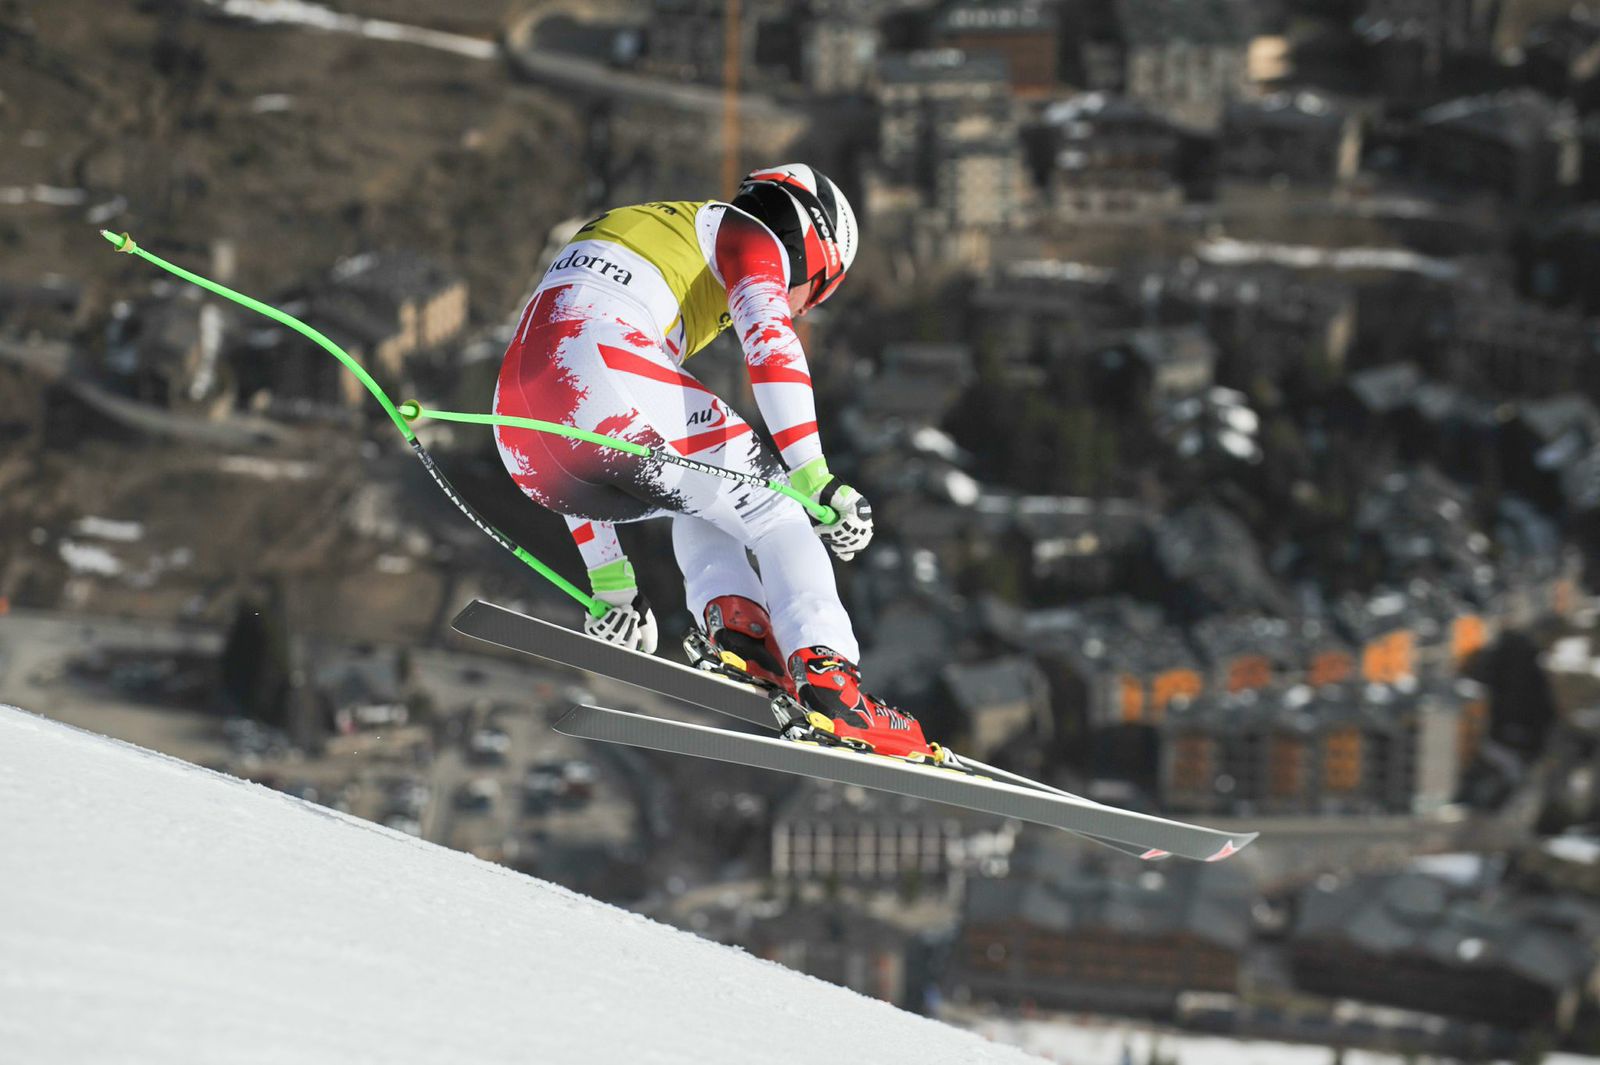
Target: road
320 17
49 358
586 75
519 696
555 68
53 361
35 647
523 696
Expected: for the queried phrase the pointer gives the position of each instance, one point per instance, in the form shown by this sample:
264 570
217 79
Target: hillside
159 912
163 119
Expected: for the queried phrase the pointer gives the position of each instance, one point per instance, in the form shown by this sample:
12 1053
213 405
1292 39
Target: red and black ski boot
738 643
839 713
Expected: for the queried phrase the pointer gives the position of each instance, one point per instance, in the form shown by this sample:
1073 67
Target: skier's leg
629 621
819 645
809 623
596 541
713 563
725 596
554 371
796 570
802 598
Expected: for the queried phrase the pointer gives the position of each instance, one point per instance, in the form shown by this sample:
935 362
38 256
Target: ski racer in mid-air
602 346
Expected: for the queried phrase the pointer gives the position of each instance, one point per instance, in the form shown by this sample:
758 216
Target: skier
602 346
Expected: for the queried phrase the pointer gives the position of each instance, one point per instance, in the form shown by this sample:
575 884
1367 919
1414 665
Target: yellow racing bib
665 235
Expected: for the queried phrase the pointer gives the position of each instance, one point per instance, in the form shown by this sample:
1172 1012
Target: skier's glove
853 529
630 622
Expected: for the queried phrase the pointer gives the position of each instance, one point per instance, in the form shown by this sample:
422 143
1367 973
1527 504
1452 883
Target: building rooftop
1224 636
1381 611
1195 22
909 643
1109 634
1207 547
979 686
1424 524
1287 110
1527 538
346 315
941 65
1100 107
167 331
1437 402
360 675
1543 940
1520 117
1580 482
932 357
395 275
1583 220
1158 345
825 800
1059 526
1236 273
1056 889
1003 16
1551 419
1386 389
920 399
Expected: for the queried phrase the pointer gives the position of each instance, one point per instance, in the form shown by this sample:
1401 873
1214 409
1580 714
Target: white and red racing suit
602 346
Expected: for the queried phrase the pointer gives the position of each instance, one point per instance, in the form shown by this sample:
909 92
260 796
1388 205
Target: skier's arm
630 622
753 268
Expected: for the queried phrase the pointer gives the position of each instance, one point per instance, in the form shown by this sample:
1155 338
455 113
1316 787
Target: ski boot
737 643
835 712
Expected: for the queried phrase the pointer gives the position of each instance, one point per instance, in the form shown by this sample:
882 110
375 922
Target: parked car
488 746
477 796
580 777
407 795
404 823
566 782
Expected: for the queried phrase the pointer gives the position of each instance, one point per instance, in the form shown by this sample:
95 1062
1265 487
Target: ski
1138 834
526 635
530 636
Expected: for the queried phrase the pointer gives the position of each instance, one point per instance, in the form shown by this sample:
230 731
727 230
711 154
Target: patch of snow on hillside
155 912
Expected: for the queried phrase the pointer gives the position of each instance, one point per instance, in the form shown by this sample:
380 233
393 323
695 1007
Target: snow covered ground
1118 1044
318 16
155 912
1125 1043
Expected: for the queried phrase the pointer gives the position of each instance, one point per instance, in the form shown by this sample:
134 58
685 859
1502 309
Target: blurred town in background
1223 375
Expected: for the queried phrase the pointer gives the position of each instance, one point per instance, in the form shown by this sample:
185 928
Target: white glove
630 622
852 531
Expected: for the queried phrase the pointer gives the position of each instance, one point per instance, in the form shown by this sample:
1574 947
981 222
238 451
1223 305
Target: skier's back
601 346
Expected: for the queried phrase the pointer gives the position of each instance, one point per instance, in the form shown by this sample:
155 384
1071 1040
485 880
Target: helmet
811 219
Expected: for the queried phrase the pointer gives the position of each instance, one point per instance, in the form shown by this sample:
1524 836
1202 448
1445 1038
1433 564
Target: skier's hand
630 622
852 529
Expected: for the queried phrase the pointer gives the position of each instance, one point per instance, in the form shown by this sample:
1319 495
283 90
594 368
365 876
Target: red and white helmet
811 219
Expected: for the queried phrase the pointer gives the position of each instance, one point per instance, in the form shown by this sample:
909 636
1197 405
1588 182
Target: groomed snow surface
152 911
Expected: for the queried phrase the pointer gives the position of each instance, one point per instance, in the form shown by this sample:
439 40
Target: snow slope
152 911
